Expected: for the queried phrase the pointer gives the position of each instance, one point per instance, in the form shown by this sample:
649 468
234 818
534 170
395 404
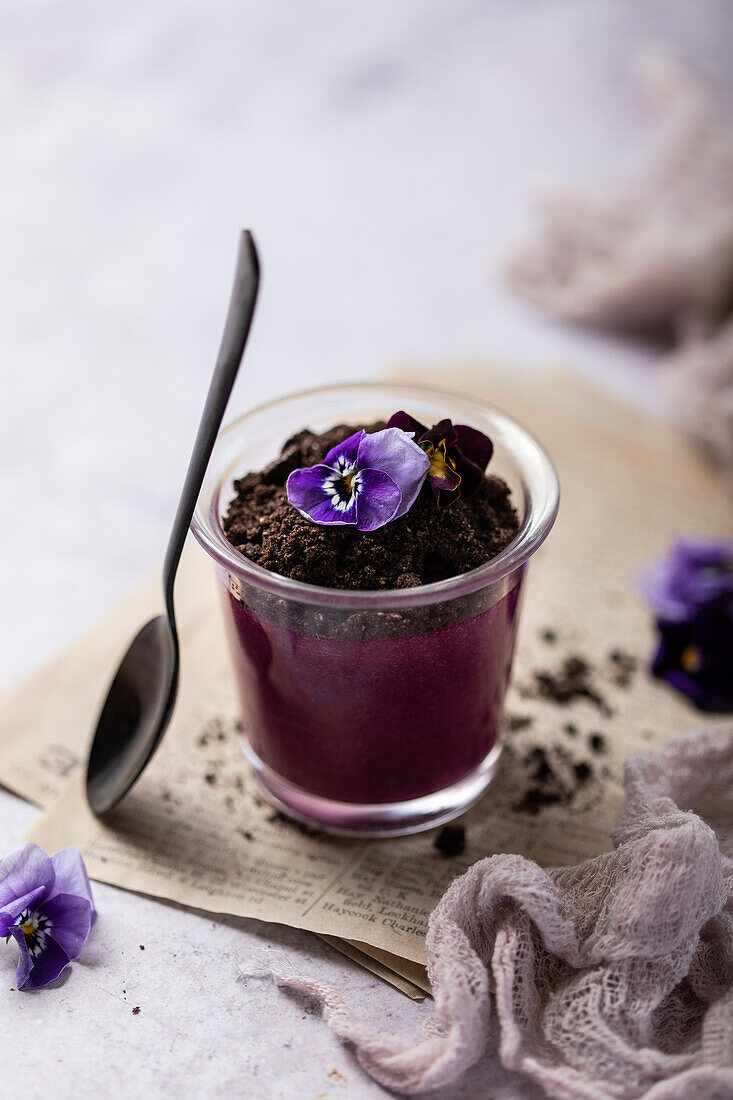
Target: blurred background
384 154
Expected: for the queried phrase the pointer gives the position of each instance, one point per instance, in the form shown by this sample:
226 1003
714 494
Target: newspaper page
54 711
196 830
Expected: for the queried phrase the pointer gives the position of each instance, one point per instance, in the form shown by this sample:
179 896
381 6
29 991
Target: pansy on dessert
46 907
691 594
458 455
366 481
373 478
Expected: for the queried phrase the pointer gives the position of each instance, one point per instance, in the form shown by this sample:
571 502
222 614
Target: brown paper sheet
409 978
196 831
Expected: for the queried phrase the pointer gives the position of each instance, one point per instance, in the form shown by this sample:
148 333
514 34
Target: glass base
380 818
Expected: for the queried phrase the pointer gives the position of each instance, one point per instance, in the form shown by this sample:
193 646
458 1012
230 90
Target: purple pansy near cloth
46 906
610 980
691 594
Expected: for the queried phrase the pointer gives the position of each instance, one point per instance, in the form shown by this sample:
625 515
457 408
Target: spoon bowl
135 714
142 695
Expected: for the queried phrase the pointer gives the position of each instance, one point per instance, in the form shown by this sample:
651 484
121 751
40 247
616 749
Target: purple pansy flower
458 455
365 482
691 592
46 906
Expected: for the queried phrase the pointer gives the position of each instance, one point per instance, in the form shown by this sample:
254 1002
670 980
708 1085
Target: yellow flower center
690 658
439 460
35 927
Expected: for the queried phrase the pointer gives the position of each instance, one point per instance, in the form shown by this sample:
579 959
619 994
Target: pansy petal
71 875
378 500
306 492
700 572
25 962
406 423
346 451
10 913
474 445
45 966
441 432
71 919
327 513
694 657
394 454
656 586
305 486
704 552
446 481
24 870
471 476
691 574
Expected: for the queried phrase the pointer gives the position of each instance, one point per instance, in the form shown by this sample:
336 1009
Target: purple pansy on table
691 593
458 455
366 481
46 906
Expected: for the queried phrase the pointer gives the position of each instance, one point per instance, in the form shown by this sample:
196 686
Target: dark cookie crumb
542 769
571 729
534 799
597 742
142 946
451 841
549 636
427 544
554 779
624 667
571 682
518 721
136 1010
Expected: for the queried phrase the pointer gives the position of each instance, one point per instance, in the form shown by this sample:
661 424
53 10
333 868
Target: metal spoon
143 693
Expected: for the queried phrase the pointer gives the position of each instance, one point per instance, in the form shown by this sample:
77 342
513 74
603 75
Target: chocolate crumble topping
426 544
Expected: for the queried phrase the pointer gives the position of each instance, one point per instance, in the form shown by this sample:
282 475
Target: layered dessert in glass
371 582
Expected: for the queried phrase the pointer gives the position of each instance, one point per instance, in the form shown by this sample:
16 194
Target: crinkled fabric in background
656 258
613 979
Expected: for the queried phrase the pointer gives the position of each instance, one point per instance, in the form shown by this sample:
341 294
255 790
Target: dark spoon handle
236 331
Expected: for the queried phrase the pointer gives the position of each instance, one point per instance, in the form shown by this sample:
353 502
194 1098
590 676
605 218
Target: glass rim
536 525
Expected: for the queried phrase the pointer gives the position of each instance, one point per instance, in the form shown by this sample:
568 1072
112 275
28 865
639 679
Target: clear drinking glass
373 712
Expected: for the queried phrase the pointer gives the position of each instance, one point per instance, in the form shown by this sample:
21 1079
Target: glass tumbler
373 712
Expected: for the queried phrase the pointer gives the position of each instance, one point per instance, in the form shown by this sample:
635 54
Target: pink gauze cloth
656 255
613 978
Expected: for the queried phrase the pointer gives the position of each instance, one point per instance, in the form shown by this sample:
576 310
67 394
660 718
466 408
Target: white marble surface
384 154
